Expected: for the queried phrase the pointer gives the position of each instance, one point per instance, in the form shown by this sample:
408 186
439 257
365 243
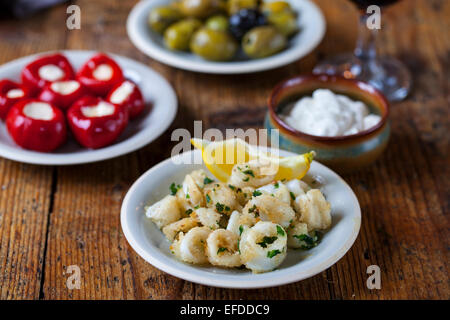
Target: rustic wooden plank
25 190
404 196
404 229
24 205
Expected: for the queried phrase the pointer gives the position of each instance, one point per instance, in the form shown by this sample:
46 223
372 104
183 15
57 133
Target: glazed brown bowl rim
325 78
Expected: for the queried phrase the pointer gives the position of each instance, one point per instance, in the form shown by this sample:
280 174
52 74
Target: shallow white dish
161 108
312 30
150 243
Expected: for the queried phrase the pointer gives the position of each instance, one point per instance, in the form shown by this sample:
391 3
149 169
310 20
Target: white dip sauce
329 115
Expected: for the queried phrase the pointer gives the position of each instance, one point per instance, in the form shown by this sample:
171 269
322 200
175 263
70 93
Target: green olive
235 5
179 34
263 41
162 17
275 7
199 8
213 45
219 23
285 22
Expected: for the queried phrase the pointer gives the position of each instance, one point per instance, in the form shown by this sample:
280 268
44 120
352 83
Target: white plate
161 108
150 243
310 20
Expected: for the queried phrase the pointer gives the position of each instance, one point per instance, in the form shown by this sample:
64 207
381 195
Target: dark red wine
363 4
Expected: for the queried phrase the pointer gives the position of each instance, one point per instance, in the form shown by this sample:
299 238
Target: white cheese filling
15 93
122 92
65 87
102 109
330 115
50 72
103 72
39 111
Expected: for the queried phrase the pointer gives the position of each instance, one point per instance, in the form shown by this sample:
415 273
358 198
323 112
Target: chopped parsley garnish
207 180
241 229
267 240
254 210
227 208
220 207
273 253
308 242
292 195
280 231
246 179
221 249
257 193
276 185
188 196
249 172
174 188
188 211
208 199
196 207
231 187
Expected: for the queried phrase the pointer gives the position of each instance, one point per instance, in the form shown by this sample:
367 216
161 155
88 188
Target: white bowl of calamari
250 231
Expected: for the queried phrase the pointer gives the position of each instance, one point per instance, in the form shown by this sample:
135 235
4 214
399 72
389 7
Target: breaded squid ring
271 209
277 190
164 212
222 248
249 175
208 217
183 225
263 247
191 247
221 198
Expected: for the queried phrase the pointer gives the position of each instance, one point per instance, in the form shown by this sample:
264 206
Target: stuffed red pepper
10 94
96 123
63 93
36 125
44 70
127 95
100 74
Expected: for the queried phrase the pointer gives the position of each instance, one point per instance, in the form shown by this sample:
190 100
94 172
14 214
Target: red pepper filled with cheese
100 74
127 95
63 93
36 125
96 123
44 70
10 94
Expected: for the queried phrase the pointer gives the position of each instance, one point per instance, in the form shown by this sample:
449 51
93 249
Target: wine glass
385 73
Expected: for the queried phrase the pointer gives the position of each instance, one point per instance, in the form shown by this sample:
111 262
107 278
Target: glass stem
365 46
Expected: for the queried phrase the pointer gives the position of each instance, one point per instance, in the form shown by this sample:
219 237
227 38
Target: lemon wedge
221 156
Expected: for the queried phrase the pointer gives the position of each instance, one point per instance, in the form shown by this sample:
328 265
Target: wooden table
54 217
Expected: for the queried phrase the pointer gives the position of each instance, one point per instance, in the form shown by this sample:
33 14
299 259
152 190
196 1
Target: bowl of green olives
226 36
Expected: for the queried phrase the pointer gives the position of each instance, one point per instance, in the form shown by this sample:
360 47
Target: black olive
244 20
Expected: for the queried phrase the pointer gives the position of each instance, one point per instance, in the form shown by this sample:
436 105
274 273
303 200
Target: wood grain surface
54 217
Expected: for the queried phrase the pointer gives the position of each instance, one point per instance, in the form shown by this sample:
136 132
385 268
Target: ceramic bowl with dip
345 142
